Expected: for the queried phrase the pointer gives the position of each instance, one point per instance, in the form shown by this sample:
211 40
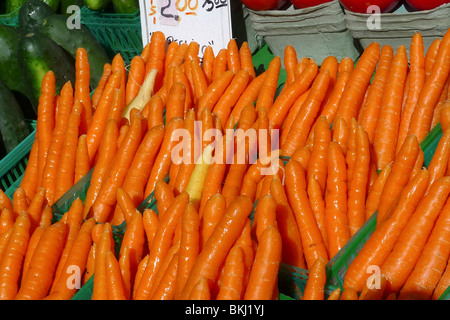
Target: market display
179 178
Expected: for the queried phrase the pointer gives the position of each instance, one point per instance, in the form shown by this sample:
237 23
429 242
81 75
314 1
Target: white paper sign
207 22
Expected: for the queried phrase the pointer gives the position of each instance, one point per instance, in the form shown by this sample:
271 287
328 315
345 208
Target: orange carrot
264 274
438 163
106 199
82 88
330 108
336 220
45 120
358 184
13 255
431 263
100 289
160 245
166 286
386 132
429 96
354 92
199 81
373 196
82 161
208 63
266 95
304 120
219 243
399 176
214 91
443 283
315 285
379 245
312 241
157 57
98 124
189 246
43 263
416 81
136 77
231 95
54 152
220 63
213 211
248 96
106 152
430 56
150 220
233 57
66 168
371 108
231 287
290 61
400 262
118 65
317 163
163 160
280 108
136 178
107 71
292 252
245 56
78 256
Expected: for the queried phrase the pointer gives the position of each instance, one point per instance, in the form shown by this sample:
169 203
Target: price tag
207 22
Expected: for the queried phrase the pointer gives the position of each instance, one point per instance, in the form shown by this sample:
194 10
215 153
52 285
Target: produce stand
341 33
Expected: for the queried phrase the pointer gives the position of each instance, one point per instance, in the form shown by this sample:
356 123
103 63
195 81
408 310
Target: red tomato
426 4
307 3
260 5
361 6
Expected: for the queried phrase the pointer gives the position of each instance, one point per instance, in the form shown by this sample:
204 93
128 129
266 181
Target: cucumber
32 14
96 5
9 64
37 55
67 3
12 5
13 127
54 4
55 27
125 6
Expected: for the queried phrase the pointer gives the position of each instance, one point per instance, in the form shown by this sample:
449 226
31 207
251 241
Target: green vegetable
32 14
67 3
55 27
96 5
13 127
9 65
125 6
37 55
54 4
12 5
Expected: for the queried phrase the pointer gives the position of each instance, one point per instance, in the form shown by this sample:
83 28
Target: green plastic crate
12 166
445 295
117 33
10 19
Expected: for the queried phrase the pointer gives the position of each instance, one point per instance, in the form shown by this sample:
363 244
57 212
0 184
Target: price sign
207 22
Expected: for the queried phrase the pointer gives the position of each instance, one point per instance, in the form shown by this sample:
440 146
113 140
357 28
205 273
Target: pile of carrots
349 136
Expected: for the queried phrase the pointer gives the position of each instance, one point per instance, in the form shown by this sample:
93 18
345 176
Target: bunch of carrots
349 144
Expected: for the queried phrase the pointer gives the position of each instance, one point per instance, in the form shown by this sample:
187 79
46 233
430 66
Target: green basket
12 166
338 265
117 33
445 295
10 19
